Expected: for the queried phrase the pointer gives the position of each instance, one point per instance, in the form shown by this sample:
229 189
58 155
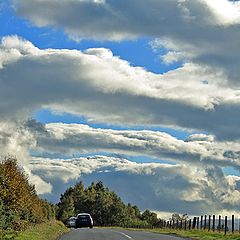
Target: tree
150 218
78 196
66 208
19 199
4 220
177 217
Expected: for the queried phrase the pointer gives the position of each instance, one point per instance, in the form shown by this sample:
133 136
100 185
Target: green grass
46 231
193 234
196 234
7 235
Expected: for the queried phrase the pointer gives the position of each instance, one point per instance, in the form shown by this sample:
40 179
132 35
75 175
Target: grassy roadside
198 235
193 234
7 235
49 231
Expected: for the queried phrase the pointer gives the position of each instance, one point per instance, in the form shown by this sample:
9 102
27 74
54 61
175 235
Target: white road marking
125 235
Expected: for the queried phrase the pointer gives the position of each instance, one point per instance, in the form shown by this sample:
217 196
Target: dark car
84 220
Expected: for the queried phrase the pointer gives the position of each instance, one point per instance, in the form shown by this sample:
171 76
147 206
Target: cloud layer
197 149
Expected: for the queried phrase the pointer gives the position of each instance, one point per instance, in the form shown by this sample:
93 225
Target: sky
142 95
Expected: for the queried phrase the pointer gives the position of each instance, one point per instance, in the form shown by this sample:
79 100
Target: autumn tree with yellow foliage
19 198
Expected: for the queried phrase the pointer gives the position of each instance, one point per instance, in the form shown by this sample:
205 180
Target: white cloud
200 137
41 186
15 141
226 12
197 149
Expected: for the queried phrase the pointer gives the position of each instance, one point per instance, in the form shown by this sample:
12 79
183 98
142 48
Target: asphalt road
114 234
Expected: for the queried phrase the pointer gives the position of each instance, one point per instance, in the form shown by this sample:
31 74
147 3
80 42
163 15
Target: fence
208 223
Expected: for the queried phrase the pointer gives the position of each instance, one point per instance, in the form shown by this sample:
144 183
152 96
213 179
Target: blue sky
98 116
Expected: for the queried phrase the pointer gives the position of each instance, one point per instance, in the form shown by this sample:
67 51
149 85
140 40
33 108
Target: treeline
106 208
19 204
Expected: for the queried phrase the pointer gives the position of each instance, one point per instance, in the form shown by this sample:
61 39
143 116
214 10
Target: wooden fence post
232 223
219 223
238 225
181 224
190 224
209 222
197 222
185 225
213 227
225 226
205 222
194 223
201 225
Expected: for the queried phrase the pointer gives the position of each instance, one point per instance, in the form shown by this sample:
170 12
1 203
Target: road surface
113 234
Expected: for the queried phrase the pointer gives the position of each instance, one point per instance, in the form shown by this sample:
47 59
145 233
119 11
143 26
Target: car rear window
83 216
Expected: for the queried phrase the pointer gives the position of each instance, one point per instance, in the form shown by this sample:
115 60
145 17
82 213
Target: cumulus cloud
41 186
105 88
198 31
15 141
166 188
